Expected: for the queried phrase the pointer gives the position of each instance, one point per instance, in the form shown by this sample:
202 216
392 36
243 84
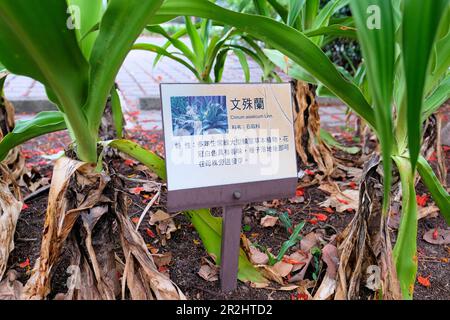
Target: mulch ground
185 245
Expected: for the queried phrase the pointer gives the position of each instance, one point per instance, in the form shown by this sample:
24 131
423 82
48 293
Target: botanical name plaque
228 145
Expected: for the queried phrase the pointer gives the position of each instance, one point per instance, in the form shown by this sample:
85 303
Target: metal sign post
228 145
231 236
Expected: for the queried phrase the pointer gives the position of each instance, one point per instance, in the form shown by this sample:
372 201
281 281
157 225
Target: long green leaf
377 39
117 113
196 42
220 64
288 66
405 250
244 64
441 52
327 12
35 41
161 51
122 23
280 10
261 7
437 98
172 40
25 130
331 141
295 7
438 192
310 13
335 30
418 39
287 40
148 158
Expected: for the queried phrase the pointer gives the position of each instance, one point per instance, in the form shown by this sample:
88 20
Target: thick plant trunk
14 161
11 169
87 216
310 148
366 267
10 207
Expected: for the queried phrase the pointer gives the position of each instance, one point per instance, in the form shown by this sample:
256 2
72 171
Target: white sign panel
220 134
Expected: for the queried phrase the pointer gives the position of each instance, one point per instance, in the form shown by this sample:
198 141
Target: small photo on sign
199 115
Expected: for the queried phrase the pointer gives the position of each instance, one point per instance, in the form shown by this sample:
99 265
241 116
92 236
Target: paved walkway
139 85
137 78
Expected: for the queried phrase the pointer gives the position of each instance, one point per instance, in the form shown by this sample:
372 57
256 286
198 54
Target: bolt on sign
228 145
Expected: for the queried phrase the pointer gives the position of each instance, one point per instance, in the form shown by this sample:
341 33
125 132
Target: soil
185 245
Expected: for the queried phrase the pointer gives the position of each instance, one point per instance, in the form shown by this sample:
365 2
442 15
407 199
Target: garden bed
185 246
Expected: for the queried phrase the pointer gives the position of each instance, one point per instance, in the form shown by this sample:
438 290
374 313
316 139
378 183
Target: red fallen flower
353 185
300 192
320 216
313 221
135 219
422 200
25 264
446 148
424 281
134 114
137 190
163 269
432 157
329 210
342 201
309 172
25 206
150 233
129 162
435 234
302 296
292 261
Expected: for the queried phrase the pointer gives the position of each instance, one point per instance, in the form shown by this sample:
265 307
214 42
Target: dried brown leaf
437 236
269 221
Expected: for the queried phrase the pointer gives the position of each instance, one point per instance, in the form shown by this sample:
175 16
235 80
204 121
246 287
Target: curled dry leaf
257 257
165 224
328 285
437 236
424 212
299 259
254 254
208 271
342 201
268 221
282 268
304 256
163 259
428 212
269 273
10 209
10 288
